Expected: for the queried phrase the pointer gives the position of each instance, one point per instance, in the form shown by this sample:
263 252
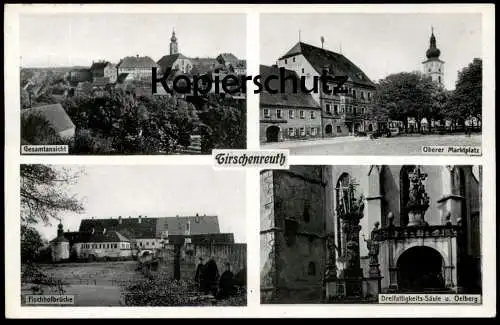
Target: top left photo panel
132 84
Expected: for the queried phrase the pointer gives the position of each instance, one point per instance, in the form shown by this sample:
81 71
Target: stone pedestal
416 215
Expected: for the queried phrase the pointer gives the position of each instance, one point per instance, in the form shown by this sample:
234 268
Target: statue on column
418 200
373 251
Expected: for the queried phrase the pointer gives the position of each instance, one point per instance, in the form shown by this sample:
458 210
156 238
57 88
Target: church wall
300 247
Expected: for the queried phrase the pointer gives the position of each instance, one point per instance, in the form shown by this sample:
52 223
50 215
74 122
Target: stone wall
235 254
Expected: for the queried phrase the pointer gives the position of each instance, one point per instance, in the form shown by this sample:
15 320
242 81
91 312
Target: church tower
433 66
173 44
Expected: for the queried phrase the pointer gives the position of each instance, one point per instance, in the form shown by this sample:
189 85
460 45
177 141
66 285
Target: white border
254 309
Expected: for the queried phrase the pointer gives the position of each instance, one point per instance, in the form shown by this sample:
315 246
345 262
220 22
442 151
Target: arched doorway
357 127
370 128
420 269
329 129
272 133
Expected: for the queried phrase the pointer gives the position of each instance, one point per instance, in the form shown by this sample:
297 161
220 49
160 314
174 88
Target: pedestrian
198 278
226 283
211 276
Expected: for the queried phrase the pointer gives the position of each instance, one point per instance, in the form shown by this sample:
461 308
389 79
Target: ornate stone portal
418 200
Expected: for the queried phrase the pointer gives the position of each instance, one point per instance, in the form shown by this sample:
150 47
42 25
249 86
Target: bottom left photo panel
128 235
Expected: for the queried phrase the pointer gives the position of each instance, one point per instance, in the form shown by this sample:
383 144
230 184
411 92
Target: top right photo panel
371 84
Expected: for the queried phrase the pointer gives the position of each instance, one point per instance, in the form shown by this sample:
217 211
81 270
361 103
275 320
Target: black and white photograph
121 83
348 234
150 235
371 84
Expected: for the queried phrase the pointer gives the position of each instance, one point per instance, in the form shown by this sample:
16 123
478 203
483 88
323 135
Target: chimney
120 220
140 219
188 228
137 55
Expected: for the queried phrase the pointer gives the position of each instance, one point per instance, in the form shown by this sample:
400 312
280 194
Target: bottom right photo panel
371 234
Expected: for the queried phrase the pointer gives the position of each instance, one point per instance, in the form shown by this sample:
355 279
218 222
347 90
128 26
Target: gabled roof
227 57
137 62
100 65
99 237
168 60
152 227
338 64
54 114
288 98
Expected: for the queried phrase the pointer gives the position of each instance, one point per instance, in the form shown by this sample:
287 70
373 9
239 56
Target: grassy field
92 284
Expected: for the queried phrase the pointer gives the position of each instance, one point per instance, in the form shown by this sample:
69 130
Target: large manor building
403 229
339 113
123 238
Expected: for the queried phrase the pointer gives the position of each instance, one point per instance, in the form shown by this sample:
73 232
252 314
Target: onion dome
433 52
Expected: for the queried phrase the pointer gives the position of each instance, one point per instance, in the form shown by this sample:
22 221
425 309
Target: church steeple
433 66
173 43
433 52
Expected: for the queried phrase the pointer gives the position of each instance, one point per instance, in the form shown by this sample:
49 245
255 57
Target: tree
404 95
36 130
31 242
466 99
44 194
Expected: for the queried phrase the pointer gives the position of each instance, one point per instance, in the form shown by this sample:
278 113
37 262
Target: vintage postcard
371 234
371 84
218 161
92 237
124 83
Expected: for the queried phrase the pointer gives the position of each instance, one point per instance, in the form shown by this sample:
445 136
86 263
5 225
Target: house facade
289 115
104 69
137 68
122 238
342 113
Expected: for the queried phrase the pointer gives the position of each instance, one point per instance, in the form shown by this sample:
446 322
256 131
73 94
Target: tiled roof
288 98
137 62
168 60
54 114
227 57
338 64
153 227
100 65
100 237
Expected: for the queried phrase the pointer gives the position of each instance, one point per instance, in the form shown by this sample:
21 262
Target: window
301 114
303 70
291 132
286 61
266 113
328 109
439 79
354 93
312 115
278 113
339 129
362 95
116 245
311 269
291 114
293 59
369 96
313 131
336 109
302 131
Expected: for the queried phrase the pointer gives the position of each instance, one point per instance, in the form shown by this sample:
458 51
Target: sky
157 191
380 44
78 38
